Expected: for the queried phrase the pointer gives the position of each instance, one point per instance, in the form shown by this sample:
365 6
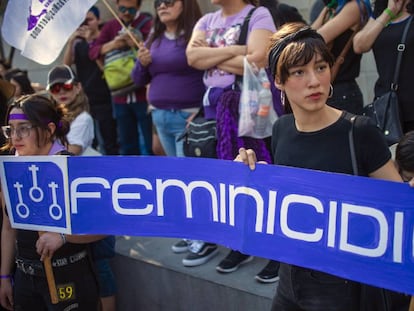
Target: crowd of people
186 63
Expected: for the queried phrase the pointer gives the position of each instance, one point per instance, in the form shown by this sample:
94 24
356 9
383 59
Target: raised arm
364 39
349 17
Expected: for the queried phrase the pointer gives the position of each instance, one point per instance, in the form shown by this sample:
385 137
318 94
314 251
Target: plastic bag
256 110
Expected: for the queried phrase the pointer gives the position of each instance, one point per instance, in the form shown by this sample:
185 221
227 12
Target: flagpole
47 263
130 34
411 304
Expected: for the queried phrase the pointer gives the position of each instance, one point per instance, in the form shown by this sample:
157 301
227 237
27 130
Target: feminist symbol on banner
37 194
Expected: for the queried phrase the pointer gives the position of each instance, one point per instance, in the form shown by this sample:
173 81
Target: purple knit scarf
228 141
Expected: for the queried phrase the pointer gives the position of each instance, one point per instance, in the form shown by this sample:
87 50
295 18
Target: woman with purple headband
36 126
316 136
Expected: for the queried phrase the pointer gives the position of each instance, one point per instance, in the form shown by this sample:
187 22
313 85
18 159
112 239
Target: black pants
76 287
347 96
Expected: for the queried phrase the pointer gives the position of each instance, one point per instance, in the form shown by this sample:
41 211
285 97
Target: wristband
5 276
390 14
63 237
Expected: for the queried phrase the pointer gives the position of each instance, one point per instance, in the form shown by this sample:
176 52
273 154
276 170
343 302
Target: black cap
60 74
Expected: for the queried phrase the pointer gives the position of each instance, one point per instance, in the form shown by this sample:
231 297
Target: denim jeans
347 96
170 125
303 289
132 120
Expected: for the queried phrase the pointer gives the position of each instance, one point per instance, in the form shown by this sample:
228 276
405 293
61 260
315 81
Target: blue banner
354 227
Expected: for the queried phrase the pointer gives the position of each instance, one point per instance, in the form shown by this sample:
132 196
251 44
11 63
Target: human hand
83 32
48 243
144 55
248 157
396 6
6 294
118 42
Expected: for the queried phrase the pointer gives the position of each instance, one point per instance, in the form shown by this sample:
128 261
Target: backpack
118 65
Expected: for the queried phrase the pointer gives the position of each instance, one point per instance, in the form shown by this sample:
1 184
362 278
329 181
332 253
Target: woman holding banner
316 136
36 127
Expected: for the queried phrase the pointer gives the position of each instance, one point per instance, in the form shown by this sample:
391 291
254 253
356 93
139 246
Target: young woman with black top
36 126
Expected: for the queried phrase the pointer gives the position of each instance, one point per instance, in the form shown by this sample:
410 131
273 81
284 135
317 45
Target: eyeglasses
21 131
167 3
124 9
55 88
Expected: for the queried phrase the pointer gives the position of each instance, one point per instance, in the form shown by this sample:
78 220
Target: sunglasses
130 11
167 3
22 131
55 88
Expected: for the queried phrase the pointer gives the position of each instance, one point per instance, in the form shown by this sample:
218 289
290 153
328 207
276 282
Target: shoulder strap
352 119
245 27
242 39
400 49
143 21
341 57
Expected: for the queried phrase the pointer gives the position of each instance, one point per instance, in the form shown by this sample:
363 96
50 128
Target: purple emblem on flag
33 19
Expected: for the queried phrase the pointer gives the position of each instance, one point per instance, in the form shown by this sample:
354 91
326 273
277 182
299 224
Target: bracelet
390 14
6 276
63 237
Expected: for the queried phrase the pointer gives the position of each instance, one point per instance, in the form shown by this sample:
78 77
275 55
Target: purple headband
18 116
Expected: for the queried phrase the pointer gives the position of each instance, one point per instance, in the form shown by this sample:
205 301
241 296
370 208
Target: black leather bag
385 112
200 137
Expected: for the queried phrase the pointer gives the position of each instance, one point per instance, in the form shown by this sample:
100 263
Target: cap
60 74
6 88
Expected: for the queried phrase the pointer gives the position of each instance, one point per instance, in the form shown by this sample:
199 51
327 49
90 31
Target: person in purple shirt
215 48
177 89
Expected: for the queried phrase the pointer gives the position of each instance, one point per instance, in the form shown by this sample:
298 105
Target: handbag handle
341 57
400 49
242 39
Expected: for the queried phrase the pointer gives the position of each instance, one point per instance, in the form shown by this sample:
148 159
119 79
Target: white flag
40 28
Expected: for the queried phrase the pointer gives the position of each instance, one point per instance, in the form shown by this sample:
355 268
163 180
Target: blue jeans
132 120
303 289
170 125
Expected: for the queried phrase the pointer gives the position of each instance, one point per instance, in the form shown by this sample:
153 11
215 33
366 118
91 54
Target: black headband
277 49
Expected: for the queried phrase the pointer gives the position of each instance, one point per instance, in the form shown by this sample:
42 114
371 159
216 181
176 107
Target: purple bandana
18 116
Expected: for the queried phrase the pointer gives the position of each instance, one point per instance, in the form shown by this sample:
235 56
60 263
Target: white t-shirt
81 131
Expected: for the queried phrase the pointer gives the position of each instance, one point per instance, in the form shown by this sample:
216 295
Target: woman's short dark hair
404 154
295 44
40 111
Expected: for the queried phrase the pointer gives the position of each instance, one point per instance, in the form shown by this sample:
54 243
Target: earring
330 91
282 98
